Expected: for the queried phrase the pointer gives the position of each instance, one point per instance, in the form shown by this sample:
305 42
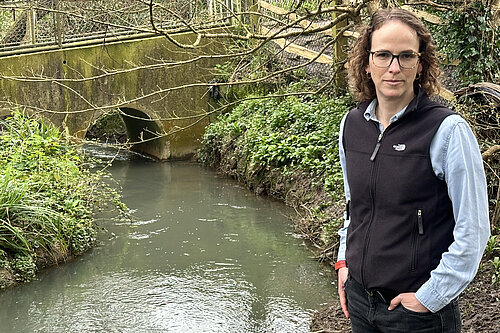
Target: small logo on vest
399 147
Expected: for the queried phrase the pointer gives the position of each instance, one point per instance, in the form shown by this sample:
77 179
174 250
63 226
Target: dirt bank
479 305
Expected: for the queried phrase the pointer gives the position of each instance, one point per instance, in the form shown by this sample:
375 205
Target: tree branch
490 152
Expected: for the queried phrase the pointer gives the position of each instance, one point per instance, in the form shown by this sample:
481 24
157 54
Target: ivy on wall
471 36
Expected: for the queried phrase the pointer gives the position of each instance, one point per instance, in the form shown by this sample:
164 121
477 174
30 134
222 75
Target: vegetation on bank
291 133
286 147
48 197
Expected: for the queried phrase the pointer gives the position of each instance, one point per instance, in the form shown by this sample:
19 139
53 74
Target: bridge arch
145 134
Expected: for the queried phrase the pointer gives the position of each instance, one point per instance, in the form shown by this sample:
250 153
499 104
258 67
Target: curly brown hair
361 85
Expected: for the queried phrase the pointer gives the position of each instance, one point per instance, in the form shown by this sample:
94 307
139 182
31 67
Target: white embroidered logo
399 147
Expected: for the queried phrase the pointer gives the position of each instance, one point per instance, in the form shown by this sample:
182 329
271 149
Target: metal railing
39 23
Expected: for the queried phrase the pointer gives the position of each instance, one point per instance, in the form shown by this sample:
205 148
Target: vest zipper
420 222
416 240
372 196
377 147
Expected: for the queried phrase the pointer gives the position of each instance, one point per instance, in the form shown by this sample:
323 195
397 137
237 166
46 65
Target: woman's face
394 82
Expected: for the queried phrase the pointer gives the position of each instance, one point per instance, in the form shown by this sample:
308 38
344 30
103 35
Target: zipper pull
377 147
420 222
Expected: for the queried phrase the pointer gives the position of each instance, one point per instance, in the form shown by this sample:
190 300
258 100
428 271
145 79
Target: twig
491 151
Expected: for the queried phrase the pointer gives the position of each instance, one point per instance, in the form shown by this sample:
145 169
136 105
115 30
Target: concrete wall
74 102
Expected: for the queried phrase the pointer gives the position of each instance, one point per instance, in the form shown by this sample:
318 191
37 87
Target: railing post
254 16
58 24
340 48
30 26
230 10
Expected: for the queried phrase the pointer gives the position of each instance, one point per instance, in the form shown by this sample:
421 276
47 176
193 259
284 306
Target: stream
201 254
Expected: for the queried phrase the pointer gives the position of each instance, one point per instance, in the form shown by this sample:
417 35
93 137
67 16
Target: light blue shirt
456 158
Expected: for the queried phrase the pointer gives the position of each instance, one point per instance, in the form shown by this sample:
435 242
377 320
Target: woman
417 218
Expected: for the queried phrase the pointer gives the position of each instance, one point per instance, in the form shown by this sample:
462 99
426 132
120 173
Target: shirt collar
370 112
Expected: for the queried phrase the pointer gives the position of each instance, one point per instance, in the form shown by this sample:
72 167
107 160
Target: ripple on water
211 297
232 206
141 235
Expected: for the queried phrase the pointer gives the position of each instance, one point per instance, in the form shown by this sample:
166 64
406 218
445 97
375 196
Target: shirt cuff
430 298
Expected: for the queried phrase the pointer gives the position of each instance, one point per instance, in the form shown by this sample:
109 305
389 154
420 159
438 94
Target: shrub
290 133
47 196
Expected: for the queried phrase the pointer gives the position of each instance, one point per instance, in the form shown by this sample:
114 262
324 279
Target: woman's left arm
456 158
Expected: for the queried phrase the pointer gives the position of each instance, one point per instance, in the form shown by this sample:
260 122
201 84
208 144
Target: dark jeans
370 314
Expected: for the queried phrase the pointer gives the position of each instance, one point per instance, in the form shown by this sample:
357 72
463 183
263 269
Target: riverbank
48 197
286 149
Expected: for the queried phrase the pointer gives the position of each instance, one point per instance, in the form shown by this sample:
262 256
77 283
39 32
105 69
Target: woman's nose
394 66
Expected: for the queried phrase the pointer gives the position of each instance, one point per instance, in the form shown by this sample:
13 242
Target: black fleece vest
401 218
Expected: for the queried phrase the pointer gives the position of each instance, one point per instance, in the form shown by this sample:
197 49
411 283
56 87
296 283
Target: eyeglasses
406 60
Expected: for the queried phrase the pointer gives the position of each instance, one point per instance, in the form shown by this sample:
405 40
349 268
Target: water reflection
202 255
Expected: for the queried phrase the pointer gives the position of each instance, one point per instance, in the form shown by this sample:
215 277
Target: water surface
202 254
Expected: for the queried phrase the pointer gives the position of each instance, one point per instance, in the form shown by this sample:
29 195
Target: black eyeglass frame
418 54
